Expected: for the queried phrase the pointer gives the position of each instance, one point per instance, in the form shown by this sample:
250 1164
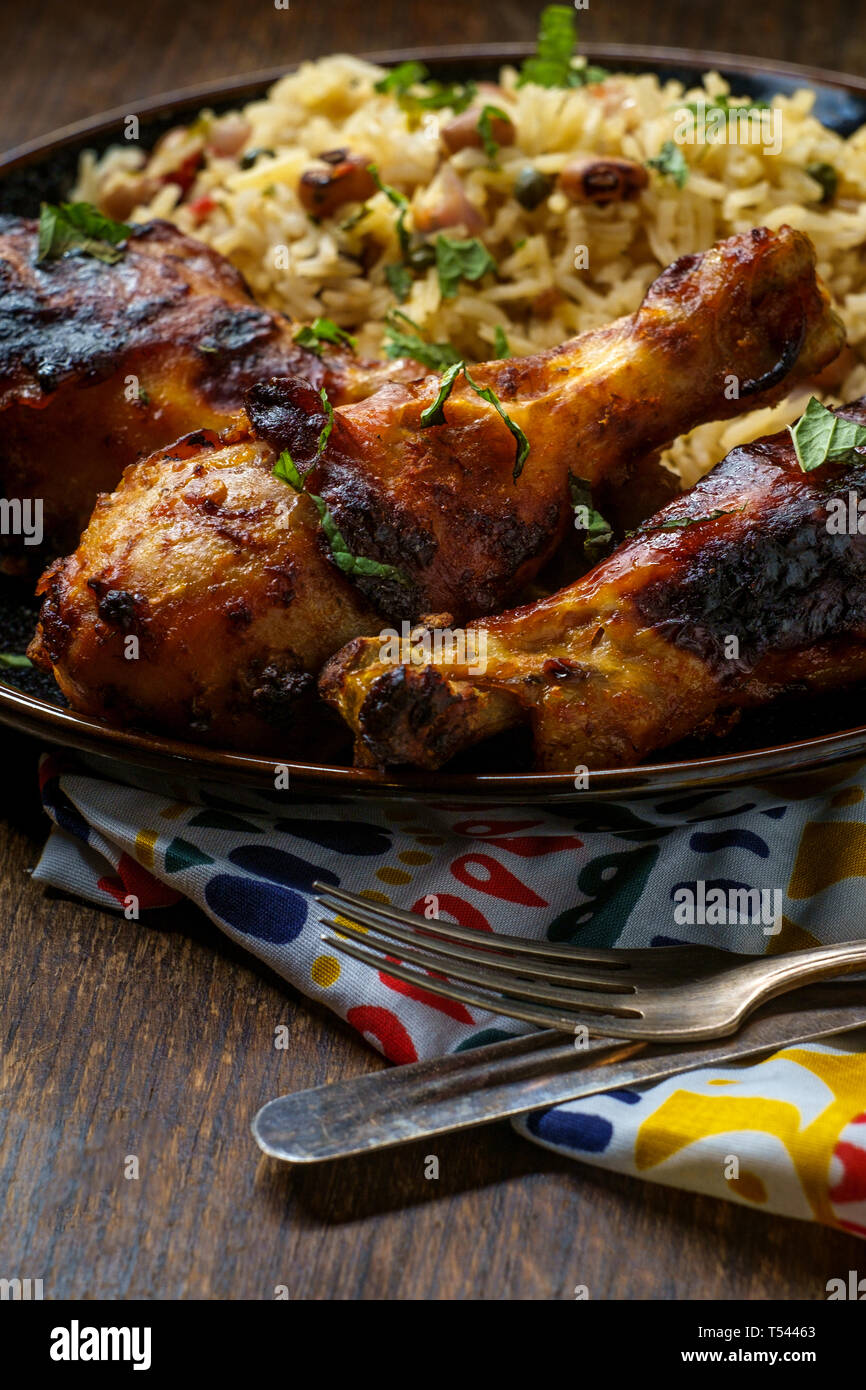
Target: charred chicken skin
223 573
199 600
730 596
102 364
716 334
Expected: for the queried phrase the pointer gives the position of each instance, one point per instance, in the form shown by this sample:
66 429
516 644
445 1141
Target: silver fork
674 993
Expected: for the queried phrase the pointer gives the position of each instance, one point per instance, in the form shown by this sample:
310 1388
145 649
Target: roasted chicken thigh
236 594
739 591
102 364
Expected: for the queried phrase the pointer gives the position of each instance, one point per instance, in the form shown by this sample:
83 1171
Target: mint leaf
671 161
399 278
680 523
399 343
553 63
485 129
79 227
401 78
598 533
328 425
286 470
821 437
435 413
323 331
460 260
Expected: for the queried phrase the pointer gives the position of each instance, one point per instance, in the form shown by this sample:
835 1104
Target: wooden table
117 1038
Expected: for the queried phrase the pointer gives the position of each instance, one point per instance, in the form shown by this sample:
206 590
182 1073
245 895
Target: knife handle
526 1073
413 1101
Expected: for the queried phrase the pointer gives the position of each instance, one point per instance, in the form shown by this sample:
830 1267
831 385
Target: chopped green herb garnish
14 660
820 436
553 63
485 129
328 425
286 470
597 532
143 396
392 194
399 79
435 413
460 260
400 201
79 227
399 278
680 523
321 331
457 95
399 343
354 218
671 161
436 95
500 343
827 176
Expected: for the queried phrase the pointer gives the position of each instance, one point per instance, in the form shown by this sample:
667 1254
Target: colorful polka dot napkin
753 870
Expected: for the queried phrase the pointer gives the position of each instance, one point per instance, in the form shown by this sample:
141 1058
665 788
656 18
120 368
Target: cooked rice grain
538 297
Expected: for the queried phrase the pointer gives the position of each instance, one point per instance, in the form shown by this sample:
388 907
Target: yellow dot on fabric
395 876
144 844
848 796
430 839
374 895
176 809
325 971
749 1186
347 922
829 851
414 856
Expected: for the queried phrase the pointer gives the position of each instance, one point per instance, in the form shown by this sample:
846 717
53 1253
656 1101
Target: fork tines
545 983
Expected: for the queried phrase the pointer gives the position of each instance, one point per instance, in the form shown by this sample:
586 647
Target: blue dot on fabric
280 866
710 841
589 1134
345 836
261 910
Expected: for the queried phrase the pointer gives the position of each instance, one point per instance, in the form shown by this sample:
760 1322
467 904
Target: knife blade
525 1073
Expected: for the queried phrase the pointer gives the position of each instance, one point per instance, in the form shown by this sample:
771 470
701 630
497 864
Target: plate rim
37 717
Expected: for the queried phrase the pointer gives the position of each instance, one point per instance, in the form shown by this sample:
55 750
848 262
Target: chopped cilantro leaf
460 260
82 227
820 436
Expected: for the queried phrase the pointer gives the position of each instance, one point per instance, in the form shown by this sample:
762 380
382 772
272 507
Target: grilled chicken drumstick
222 574
716 334
729 596
101 364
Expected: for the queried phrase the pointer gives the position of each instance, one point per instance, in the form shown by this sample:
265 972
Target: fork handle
795 968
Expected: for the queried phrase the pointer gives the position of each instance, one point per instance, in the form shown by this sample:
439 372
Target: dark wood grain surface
119 1039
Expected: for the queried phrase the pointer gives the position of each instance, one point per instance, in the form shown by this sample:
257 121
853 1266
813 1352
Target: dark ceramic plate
766 745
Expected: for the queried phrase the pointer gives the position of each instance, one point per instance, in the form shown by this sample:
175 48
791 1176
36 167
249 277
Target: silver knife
525 1073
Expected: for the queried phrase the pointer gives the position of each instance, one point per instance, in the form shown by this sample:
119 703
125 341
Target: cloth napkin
784 1135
